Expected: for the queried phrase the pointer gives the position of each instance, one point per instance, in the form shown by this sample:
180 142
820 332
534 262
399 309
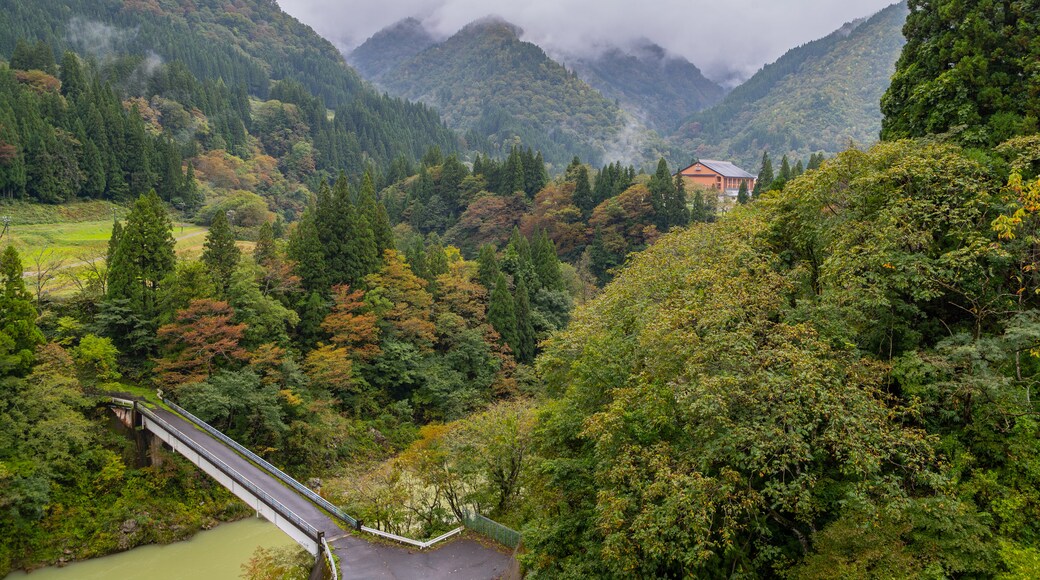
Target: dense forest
833 376
248 44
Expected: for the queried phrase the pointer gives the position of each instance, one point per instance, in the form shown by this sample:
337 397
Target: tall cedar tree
765 176
221 254
742 193
501 313
265 249
969 66
347 238
785 169
141 259
546 263
525 336
660 187
678 212
19 335
583 192
487 266
375 214
305 249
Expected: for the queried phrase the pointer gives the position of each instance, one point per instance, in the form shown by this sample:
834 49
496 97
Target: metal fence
492 529
302 489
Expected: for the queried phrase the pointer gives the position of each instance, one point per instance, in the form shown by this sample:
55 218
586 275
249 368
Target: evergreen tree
678 214
583 192
487 266
661 187
517 260
220 254
742 193
312 312
265 250
501 313
785 169
73 82
964 66
191 196
19 335
765 176
517 181
347 239
93 168
306 250
525 336
798 169
546 263
698 213
141 259
113 241
375 215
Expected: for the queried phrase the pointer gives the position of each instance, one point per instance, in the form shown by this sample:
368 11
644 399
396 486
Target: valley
563 302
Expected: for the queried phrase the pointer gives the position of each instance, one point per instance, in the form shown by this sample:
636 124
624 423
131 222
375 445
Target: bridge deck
358 558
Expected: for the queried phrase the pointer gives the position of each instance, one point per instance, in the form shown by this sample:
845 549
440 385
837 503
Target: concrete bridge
314 523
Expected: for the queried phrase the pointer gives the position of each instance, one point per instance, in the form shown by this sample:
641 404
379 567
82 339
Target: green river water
216 554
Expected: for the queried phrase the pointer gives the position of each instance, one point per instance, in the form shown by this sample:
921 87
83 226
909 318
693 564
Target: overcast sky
722 37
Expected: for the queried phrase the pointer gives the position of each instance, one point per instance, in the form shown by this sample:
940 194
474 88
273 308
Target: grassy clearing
63 239
25 213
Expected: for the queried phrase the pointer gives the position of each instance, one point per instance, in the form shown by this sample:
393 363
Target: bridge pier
127 421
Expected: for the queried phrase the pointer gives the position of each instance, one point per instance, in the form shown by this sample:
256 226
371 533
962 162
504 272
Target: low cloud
729 41
97 38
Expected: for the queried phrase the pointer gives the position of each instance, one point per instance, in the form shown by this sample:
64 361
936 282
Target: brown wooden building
721 176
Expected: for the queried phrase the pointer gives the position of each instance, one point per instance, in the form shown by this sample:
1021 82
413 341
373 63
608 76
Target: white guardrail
331 560
417 543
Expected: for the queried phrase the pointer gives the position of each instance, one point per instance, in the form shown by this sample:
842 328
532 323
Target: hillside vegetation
250 44
821 96
390 47
496 88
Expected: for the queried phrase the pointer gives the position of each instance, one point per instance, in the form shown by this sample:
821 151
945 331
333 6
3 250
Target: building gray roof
725 169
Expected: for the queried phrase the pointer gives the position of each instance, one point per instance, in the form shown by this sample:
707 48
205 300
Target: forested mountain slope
249 43
657 88
818 97
486 81
390 47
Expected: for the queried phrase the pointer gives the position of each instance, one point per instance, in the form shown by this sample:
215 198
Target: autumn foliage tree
202 339
401 301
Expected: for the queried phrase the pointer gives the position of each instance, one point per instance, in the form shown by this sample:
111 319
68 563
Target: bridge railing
299 487
240 479
328 558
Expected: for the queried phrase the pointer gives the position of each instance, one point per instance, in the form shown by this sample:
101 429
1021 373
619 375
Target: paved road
460 559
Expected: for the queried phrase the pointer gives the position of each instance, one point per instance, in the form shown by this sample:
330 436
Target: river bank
216 554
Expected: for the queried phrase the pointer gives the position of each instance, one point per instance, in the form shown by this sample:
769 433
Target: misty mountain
817 97
390 47
250 44
659 89
499 90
